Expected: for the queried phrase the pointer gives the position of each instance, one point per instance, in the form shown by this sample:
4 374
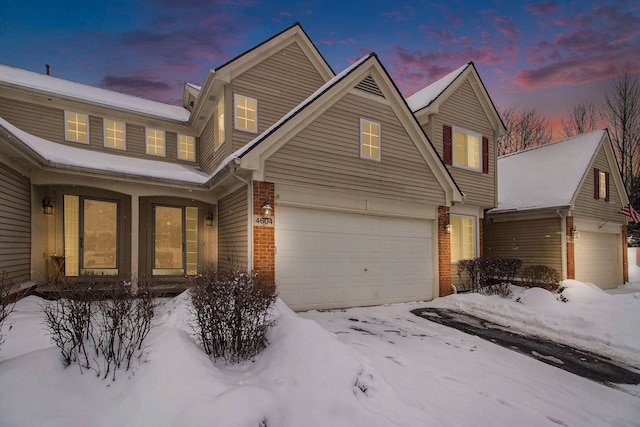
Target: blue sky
549 55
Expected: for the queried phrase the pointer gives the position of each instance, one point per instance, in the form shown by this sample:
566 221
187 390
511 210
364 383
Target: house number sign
263 221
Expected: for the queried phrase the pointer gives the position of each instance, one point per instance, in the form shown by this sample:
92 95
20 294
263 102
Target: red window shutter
596 184
606 180
485 154
446 144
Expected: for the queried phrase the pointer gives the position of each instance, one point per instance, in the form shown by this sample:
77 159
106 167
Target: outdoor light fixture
447 227
267 210
47 207
209 220
574 232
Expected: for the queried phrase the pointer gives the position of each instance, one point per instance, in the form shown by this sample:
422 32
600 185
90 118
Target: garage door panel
598 259
328 259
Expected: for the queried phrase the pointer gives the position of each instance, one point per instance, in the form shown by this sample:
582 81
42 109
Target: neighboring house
461 120
326 183
558 206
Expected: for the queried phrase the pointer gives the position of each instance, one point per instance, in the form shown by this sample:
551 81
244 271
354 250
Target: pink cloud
285 14
326 41
543 8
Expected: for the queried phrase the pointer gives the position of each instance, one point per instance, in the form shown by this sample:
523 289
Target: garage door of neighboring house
598 259
329 259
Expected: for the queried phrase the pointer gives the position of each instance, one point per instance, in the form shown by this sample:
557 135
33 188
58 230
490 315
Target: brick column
264 254
571 261
444 252
625 256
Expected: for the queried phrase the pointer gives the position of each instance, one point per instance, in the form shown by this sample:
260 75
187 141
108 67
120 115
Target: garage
598 259
327 259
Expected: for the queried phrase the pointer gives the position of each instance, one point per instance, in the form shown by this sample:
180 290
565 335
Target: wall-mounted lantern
267 210
47 206
209 219
574 233
447 227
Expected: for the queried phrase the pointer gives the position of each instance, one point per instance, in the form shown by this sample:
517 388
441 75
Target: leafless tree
582 119
526 128
621 113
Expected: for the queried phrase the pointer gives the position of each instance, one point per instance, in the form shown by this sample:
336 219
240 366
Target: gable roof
427 101
17 78
550 176
253 155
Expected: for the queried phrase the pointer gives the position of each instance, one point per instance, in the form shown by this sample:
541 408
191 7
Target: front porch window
463 237
175 250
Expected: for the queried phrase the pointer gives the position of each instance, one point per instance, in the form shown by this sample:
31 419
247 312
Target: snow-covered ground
374 366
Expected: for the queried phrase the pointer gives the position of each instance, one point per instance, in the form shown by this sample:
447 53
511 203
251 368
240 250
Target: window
463 237
369 140
246 114
155 142
219 136
77 127
175 250
466 149
114 134
186 148
601 185
90 236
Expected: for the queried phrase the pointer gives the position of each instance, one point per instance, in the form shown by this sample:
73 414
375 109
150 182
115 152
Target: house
558 205
326 183
461 120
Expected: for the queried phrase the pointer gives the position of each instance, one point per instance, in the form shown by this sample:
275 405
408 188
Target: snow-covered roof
546 176
64 156
68 89
427 95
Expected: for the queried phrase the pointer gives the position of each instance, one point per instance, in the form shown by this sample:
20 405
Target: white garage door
329 260
598 259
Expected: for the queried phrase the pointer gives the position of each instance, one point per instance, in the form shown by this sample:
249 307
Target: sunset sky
549 55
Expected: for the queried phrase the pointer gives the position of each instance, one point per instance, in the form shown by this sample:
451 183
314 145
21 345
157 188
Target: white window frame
474 220
362 139
602 185
66 127
164 142
236 97
455 129
219 125
124 134
193 138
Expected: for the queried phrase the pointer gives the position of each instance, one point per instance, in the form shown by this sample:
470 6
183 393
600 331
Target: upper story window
219 136
114 134
155 142
466 149
601 185
187 148
463 237
369 140
77 127
246 113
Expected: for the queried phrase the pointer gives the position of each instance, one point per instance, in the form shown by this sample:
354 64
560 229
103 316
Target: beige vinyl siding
15 224
48 123
211 158
463 109
327 154
232 231
534 241
279 83
586 206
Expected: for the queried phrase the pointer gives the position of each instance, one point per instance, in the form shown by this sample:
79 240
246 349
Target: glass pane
460 148
462 237
71 235
191 227
99 234
220 123
473 146
168 240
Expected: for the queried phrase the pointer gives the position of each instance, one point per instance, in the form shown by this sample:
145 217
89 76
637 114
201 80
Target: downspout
563 243
232 170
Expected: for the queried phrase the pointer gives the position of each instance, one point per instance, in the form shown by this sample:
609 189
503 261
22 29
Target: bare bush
7 287
489 275
232 312
541 276
98 323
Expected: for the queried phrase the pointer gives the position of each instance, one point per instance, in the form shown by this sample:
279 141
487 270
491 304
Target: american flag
631 213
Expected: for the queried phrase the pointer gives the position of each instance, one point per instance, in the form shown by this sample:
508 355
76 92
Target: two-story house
461 120
326 183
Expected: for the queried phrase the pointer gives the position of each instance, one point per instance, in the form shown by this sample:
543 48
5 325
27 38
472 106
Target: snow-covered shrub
98 323
232 313
540 276
6 302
